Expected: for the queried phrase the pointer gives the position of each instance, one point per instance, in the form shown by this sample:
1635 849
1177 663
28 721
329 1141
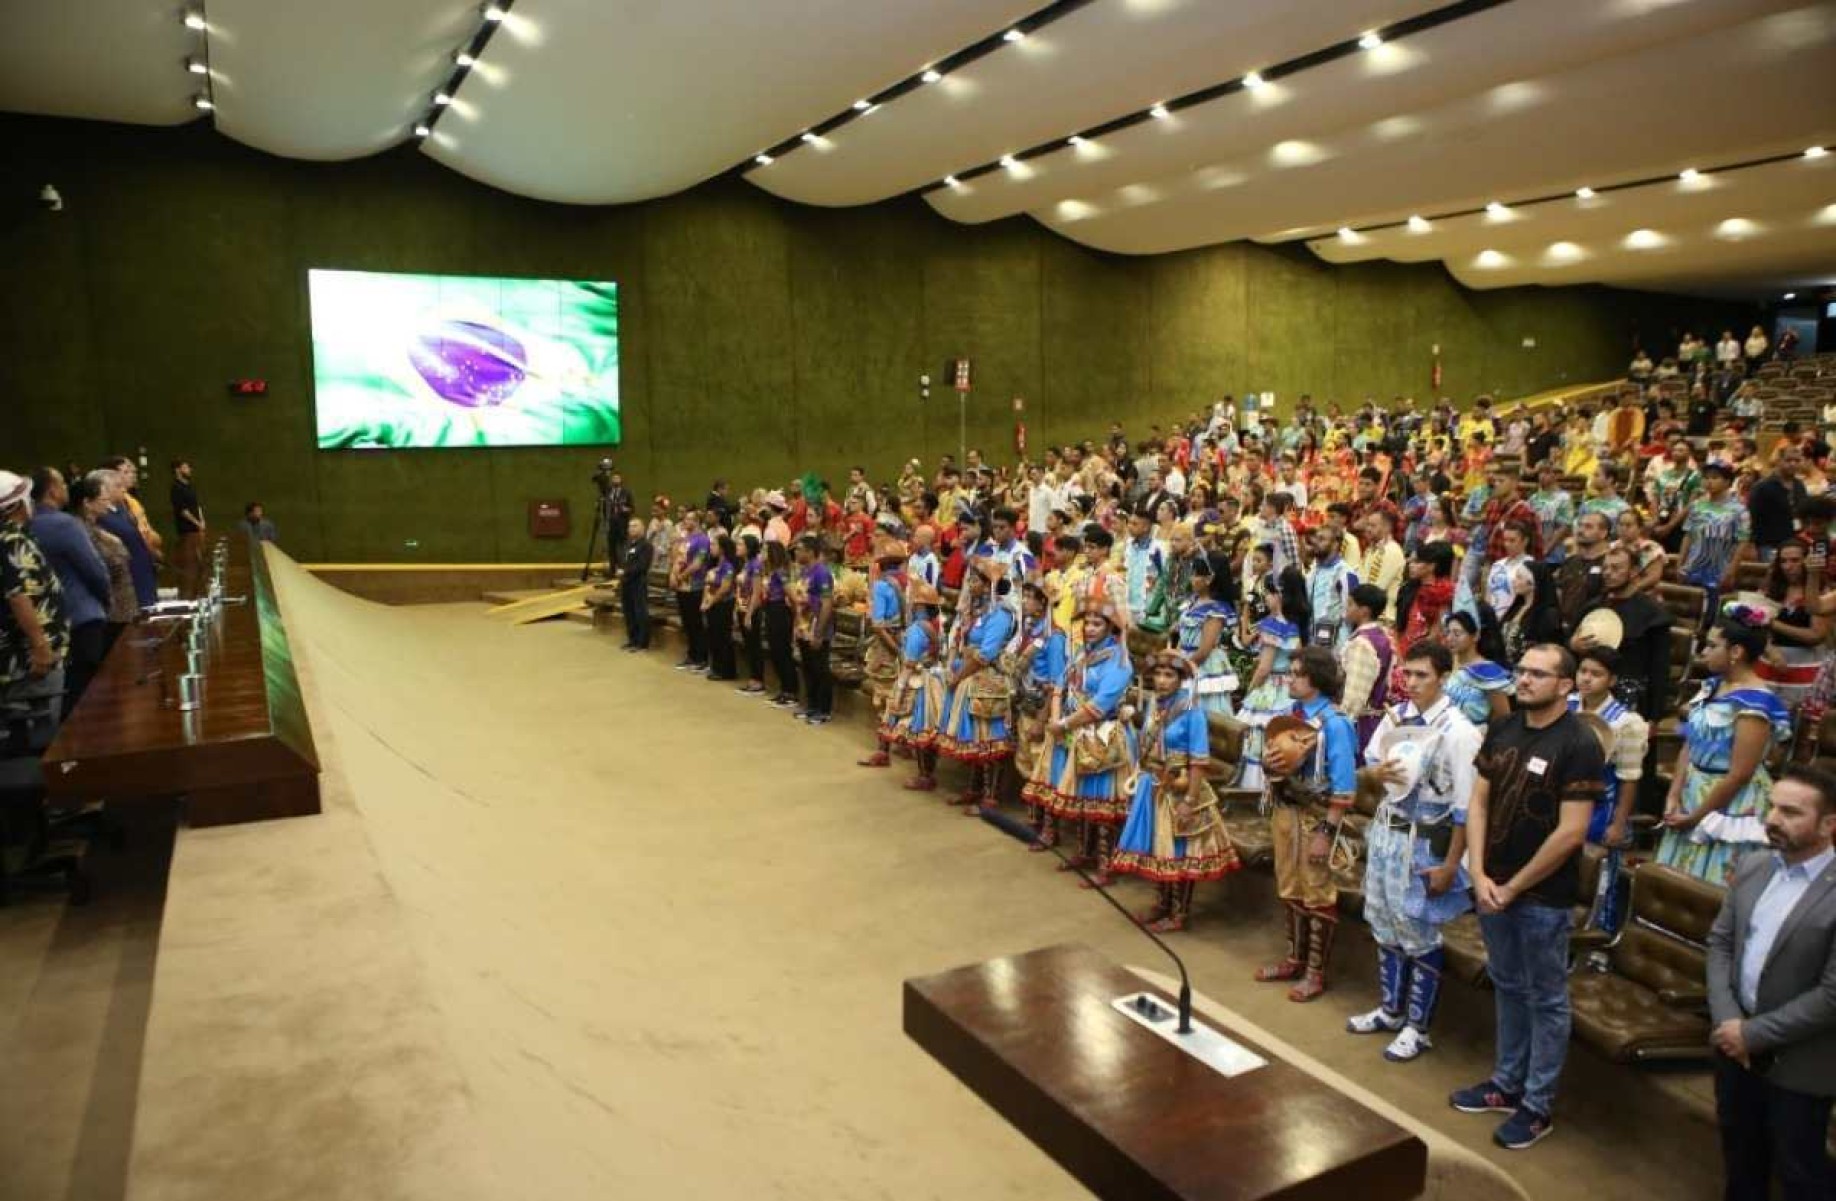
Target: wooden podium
1133 1116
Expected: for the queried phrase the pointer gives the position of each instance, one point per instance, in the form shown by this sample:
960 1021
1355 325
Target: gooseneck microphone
1026 834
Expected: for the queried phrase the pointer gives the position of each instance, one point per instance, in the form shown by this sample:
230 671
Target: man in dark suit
634 587
1772 997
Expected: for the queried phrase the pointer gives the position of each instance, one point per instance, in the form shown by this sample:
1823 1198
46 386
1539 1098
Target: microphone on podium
1028 835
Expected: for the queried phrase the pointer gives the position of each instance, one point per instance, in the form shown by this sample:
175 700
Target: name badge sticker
1538 766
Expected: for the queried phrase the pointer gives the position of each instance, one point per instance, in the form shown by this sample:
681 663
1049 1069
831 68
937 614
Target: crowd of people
1462 610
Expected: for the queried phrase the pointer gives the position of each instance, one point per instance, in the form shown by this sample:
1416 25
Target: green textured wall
761 338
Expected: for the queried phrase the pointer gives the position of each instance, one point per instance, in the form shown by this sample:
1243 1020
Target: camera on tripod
602 476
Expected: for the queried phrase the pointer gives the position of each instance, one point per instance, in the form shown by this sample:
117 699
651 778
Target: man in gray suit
1772 997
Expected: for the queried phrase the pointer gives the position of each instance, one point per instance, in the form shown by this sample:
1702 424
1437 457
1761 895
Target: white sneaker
1374 1022
1407 1045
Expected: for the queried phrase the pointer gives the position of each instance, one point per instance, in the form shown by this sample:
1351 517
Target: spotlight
1689 175
422 130
1253 80
1815 152
194 21
1009 161
1347 232
202 103
808 138
442 99
463 59
1370 41
861 106
1584 193
1419 225
1013 35
196 66
493 13
951 181
1159 112
763 160
931 75
1495 209
1077 139
1791 296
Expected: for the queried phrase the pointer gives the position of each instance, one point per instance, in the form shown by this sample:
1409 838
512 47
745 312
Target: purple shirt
818 584
695 563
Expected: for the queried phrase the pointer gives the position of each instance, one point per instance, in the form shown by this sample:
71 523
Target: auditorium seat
1651 1001
32 852
1685 602
1465 945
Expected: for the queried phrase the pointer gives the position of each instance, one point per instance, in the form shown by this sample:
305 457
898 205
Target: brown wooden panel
1131 1116
128 739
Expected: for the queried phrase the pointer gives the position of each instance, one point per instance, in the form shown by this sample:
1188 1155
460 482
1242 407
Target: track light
1253 80
931 75
1370 41
422 130
1419 225
1584 193
861 106
202 103
763 160
952 181
1013 35
808 138
1815 152
196 66
1159 112
194 20
442 99
493 13
1495 209
1689 175
463 60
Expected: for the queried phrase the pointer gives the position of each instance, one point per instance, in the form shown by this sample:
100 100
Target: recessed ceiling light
1253 80
808 138
1584 193
1370 41
1644 239
442 99
194 21
493 13
952 181
1013 35
931 75
196 66
1496 209
1009 161
1158 112
202 103
1490 258
422 130
1419 225
1791 296
861 106
1815 152
763 160
463 59
1689 175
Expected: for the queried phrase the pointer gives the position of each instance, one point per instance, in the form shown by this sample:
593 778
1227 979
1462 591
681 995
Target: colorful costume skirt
1079 793
1711 849
1148 847
913 708
975 720
1269 701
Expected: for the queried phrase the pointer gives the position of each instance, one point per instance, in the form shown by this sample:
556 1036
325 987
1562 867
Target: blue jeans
1526 950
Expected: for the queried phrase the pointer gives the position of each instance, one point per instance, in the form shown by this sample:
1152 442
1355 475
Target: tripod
603 517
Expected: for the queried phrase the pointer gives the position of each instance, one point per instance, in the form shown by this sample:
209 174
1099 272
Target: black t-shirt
1541 446
1532 774
185 500
1771 504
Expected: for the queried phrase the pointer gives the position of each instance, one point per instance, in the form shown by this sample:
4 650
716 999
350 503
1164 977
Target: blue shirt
120 523
885 609
1783 892
79 568
1340 740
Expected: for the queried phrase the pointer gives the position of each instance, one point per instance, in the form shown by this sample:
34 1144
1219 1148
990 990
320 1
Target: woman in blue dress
1279 635
1716 810
1035 663
1174 835
974 730
915 703
1204 634
1480 686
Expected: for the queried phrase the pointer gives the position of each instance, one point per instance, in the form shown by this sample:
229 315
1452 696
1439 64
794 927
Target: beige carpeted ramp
575 925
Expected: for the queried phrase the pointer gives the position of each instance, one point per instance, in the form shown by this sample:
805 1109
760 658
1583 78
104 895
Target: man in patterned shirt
1555 510
1717 535
1670 489
34 635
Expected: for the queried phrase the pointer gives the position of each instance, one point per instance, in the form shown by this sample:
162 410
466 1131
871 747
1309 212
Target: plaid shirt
1358 658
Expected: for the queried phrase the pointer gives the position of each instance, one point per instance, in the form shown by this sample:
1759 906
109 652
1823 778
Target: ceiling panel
105 60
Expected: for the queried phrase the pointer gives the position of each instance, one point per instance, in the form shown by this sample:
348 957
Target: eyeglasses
1537 673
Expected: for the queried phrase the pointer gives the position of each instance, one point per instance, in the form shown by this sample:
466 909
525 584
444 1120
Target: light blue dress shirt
1783 892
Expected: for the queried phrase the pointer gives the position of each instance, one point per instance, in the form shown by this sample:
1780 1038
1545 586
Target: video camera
602 476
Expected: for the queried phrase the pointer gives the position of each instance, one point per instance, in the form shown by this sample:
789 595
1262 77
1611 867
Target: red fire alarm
248 387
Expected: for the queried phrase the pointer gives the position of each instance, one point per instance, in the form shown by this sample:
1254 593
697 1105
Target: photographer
615 513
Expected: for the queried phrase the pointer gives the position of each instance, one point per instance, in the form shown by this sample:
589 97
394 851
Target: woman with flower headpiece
1174 835
975 729
1278 638
1091 747
1203 633
1716 809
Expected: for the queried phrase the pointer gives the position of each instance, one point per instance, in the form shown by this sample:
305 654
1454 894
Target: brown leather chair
1652 1000
1349 856
1465 945
848 648
1685 602
1249 830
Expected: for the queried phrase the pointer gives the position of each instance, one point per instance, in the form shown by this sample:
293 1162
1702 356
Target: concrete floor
576 925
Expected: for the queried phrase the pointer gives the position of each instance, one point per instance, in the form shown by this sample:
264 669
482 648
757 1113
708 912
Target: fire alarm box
548 519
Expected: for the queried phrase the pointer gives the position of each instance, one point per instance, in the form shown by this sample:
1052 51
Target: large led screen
411 361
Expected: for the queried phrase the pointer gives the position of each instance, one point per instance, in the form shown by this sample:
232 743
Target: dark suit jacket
636 567
1792 1036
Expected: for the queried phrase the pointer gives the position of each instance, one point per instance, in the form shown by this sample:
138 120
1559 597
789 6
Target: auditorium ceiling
1666 144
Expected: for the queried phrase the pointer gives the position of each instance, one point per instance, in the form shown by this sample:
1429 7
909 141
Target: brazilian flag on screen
410 361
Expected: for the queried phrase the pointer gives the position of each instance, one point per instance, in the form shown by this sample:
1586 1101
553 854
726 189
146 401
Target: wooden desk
1132 1116
245 755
